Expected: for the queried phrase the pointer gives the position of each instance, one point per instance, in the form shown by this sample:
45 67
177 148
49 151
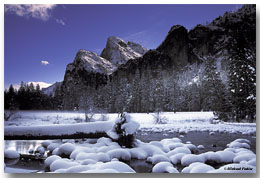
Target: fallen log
65 131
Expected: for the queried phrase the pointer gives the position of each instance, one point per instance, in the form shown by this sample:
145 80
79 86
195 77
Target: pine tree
214 92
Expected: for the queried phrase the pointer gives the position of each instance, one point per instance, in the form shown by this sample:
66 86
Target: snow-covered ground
181 122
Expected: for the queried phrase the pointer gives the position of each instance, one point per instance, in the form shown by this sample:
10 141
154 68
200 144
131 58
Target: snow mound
11 154
226 156
197 167
78 168
235 168
252 162
116 165
158 158
101 171
211 157
244 157
164 167
40 149
236 144
121 154
138 153
52 146
61 164
179 150
176 159
88 161
200 147
66 148
79 149
192 147
151 150
160 145
46 143
50 160
190 158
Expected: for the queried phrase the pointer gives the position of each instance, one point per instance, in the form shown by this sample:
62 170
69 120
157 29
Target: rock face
51 89
125 64
118 52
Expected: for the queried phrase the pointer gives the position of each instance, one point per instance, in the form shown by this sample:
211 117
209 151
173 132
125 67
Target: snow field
180 122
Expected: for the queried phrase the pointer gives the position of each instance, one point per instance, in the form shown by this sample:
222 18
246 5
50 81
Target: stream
215 142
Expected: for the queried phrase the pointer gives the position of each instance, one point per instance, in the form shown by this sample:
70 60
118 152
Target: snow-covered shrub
159 119
124 129
12 113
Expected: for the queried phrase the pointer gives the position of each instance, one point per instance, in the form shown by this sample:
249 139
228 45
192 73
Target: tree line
30 97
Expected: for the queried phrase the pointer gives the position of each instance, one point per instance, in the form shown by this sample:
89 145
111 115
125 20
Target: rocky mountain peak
118 52
92 62
176 45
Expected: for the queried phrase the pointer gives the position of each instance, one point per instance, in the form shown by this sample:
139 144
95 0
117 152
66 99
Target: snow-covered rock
226 156
191 158
158 158
66 148
118 52
116 165
46 143
200 147
197 167
211 157
121 154
176 159
53 146
50 160
164 167
246 156
179 150
61 164
11 154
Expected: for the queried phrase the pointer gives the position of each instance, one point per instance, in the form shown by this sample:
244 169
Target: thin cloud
143 38
38 11
45 63
60 21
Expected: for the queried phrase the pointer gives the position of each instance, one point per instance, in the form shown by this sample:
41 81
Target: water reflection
22 146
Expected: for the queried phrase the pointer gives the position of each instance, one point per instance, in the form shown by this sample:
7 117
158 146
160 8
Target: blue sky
39 41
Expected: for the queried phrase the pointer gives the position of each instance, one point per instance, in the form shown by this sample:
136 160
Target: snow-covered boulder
197 167
11 154
40 149
138 153
116 165
46 143
200 147
66 148
158 158
226 156
50 160
61 164
179 150
176 159
244 157
52 146
190 158
164 167
121 154
236 144
211 157
88 161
